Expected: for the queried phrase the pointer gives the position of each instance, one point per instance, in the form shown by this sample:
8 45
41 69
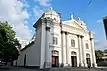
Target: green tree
99 54
2 34
105 51
17 44
10 33
10 52
9 45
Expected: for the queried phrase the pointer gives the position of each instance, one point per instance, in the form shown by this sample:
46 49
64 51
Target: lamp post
105 25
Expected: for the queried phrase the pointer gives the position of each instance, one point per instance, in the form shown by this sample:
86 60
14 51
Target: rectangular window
72 43
55 40
87 47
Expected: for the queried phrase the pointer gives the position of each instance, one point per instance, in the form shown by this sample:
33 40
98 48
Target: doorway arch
88 59
74 59
55 58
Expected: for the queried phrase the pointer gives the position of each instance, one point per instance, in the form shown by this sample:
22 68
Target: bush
102 63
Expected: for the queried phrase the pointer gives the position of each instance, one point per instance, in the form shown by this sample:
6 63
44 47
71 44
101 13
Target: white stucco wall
39 54
32 56
73 30
32 52
56 32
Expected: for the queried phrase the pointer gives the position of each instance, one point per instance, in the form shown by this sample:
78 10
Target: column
62 64
78 55
67 50
63 49
93 52
80 51
47 49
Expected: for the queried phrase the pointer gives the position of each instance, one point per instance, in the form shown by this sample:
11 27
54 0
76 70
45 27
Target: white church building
59 43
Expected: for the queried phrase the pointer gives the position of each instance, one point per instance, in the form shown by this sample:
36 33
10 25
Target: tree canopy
9 45
105 51
99 54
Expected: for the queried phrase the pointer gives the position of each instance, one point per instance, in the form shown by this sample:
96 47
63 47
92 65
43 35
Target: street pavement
18 69
54 69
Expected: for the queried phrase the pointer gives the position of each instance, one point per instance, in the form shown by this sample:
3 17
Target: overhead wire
90 1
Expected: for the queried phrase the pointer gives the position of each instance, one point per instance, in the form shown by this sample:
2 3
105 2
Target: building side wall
20 61
33 58
32 53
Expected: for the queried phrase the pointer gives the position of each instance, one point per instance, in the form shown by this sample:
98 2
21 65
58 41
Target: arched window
72 43
87 47
87 55
73 53
55 53
54 18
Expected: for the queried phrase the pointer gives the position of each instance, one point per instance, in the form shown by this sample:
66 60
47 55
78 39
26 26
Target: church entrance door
55 61
74 61
88 59
55 58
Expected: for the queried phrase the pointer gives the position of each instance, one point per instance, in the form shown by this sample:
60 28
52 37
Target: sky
22 14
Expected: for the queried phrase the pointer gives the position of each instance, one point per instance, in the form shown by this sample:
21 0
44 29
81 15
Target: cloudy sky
22 14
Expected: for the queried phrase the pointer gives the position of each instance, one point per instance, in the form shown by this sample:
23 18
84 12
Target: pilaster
42 55
67 48
63 48
80 51
91 37
93 53
48 57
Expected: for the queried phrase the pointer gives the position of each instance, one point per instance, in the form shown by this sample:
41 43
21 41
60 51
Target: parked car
2 63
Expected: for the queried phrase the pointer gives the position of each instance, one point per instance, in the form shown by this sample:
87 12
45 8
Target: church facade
59 43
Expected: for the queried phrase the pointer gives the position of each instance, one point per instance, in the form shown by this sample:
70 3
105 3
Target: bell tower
43 32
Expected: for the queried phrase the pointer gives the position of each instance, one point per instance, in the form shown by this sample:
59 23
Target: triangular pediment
55 34
74 24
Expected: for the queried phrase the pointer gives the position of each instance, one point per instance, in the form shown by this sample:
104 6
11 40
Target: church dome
53 15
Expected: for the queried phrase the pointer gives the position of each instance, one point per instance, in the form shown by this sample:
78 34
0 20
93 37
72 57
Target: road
19 69
55 69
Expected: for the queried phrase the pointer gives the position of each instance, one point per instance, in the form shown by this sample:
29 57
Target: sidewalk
102 67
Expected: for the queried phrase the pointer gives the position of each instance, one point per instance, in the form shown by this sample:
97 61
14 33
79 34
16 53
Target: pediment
55 34
74 24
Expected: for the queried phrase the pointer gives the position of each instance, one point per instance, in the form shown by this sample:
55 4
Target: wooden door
74 61
88 61
54 61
